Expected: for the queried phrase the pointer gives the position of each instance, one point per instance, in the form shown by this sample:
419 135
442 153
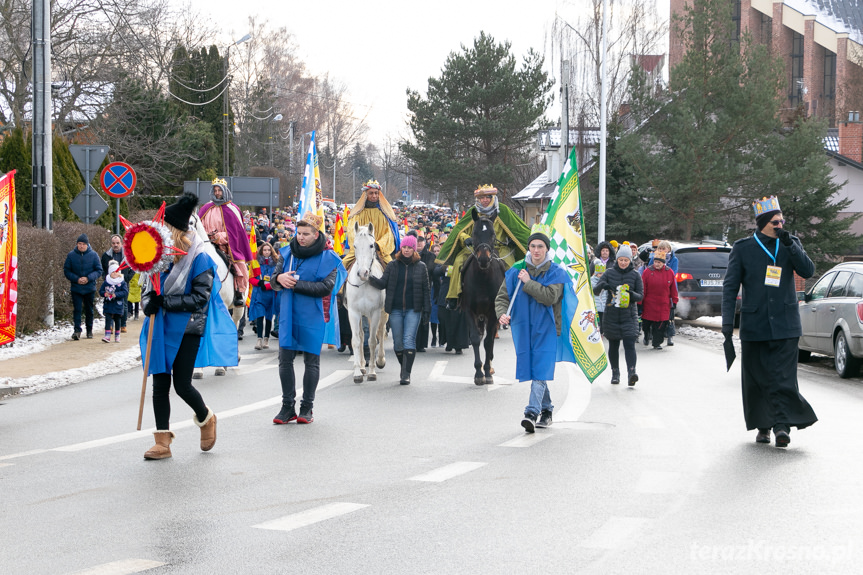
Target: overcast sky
379 48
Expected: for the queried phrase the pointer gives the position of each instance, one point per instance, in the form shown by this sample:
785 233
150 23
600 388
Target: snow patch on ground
39 341
115 363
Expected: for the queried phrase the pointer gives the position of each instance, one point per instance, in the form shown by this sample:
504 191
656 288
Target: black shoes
76 335
646 339
286 415
529 423
763 436
615 376
238 299
670 342
407 365
657 347
633 377
305 415
90 334
782 437
544 419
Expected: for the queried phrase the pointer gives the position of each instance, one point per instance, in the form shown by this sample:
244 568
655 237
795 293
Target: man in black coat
82 268
765 264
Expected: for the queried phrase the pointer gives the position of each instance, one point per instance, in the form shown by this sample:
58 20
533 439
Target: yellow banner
8 259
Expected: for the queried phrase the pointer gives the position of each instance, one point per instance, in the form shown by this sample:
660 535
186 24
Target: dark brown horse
481 277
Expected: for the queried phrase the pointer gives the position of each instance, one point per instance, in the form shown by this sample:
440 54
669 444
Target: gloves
727 331
784 237
267 286
468 242
154 304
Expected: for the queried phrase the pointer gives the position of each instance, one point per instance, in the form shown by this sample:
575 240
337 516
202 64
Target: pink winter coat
660 289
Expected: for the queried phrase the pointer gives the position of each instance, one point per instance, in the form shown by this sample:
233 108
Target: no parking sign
118 179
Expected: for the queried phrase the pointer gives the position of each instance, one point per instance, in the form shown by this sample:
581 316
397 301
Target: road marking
616 532
437 370
657 482
648 422
23 454
6 464
121 567
310 516
449 471
327 381
526 440
577 396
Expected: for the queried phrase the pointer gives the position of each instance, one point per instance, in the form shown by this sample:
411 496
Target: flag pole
147 359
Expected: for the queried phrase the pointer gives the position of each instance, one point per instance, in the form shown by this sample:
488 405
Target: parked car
700 272
831 315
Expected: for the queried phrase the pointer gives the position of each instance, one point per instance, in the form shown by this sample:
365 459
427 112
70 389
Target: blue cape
263 302
301 317
219 345
537 345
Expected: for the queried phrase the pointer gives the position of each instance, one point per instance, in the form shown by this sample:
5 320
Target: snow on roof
838 15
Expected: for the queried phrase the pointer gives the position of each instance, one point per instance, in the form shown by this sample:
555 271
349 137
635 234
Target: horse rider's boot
410 355
208 430
238 298
260 344
162 449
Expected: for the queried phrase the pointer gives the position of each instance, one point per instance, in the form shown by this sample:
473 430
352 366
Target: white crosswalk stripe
310 516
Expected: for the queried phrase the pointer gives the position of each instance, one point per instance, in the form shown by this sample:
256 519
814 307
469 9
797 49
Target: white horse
226 292
363 300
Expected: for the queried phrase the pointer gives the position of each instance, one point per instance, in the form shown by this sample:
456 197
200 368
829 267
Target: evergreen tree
478 118
696 157
15 154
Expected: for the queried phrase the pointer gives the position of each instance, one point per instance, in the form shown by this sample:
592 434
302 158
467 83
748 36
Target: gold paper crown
314 220
220 182
543 229
765 205
485 190
371 185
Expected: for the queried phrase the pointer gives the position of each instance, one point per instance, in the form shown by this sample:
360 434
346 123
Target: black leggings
184 365
289 380
628 351
259 326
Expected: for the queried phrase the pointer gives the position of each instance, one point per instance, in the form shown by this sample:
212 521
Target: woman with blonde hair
192 329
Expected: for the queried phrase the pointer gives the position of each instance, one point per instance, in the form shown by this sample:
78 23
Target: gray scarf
227 196
491 211
176 282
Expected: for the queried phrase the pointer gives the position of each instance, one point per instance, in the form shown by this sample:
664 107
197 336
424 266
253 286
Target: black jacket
766 313
82 264
620 323
197 301
419 279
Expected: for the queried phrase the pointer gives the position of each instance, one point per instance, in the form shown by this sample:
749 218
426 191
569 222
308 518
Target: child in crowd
114 290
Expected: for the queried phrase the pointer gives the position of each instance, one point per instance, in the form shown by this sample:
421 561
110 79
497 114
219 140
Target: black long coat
620 323
766 313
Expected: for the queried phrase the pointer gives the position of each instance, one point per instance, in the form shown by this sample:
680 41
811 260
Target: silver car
831 315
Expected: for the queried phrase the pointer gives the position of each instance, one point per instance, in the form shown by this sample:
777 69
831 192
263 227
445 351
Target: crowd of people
288 272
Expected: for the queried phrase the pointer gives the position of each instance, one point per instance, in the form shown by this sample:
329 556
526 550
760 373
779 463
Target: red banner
8 259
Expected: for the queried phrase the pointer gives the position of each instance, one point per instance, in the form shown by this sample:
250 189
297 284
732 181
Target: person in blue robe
191 328
536 289
305 274
262 306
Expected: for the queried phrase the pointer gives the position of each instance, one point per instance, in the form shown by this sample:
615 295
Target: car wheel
846 364
803 356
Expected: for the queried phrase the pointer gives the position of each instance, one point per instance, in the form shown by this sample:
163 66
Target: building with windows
820 41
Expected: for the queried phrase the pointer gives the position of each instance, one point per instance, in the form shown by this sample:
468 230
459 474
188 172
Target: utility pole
564 113
42 164
603 132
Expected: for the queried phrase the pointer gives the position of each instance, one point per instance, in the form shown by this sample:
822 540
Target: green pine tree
15 154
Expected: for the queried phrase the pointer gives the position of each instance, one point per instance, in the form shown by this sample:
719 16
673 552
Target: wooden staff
147 359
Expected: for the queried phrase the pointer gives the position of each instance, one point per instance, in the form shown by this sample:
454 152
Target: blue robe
301 317
219 345
263 302
537 345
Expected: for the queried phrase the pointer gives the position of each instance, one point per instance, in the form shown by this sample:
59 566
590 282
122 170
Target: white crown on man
765 205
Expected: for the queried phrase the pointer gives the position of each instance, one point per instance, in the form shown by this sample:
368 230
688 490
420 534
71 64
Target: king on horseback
510 232
373 208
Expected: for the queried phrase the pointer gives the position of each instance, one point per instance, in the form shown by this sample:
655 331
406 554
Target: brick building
820 41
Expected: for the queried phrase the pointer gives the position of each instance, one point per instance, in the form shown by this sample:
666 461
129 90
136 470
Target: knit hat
540 232
113 266
178 213
409 242
625 251
83 238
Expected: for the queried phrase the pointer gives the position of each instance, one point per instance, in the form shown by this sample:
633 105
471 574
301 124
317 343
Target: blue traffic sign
118 179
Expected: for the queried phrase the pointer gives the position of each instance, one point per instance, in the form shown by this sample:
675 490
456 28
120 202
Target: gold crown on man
220 182
485 190
371 185
765 205
543 229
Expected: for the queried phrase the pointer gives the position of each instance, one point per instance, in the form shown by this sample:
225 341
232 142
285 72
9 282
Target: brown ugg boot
162 449
208 430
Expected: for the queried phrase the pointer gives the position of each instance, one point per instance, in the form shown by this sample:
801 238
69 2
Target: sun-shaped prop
148 247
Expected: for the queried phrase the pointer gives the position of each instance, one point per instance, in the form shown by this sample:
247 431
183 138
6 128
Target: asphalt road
435 477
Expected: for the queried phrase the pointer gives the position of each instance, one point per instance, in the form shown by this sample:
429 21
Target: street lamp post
276 118
226 107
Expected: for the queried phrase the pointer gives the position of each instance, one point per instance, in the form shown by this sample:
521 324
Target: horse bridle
492 250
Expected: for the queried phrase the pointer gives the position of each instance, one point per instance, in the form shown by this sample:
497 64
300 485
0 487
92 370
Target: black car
700 272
